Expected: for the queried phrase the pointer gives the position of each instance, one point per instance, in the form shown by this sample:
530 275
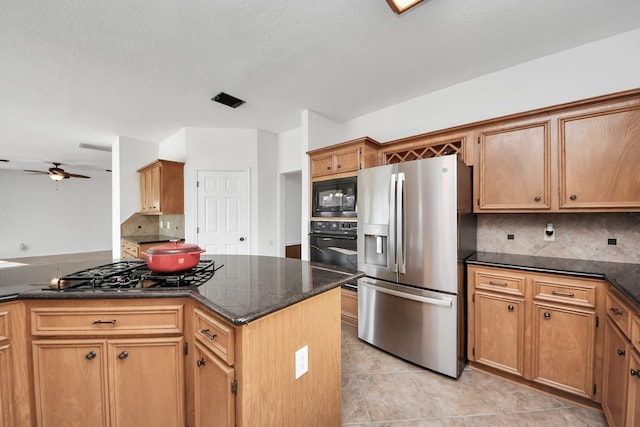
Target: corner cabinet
578 157
114 365
343 159
162 188
541 328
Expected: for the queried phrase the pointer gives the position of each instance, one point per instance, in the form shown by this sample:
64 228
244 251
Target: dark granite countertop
244 289
624 277
152 238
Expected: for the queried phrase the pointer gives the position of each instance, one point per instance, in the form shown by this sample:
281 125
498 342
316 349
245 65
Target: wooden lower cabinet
127 382
616 355
349 304
563 348
540 328
499 332
633 393
214 401
6 382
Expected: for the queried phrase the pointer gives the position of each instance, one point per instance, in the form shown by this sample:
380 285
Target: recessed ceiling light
226 99
400 6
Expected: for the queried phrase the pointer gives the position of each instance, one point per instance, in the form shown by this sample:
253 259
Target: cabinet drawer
215 335
569 292
499 282
129 248
619 312
97 321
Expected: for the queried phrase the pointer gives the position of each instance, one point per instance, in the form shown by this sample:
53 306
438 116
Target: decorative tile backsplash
588 236
148 225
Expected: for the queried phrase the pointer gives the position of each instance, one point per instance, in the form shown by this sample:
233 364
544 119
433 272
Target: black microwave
335 197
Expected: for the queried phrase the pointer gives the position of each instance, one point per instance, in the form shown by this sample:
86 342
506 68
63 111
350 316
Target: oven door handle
333 236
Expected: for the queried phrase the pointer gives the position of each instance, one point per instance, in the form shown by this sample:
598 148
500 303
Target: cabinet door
616 377
347 161
499 332
599 157
322 165
70 383
214 400
6 381
633 395
147 382
514 172
563 348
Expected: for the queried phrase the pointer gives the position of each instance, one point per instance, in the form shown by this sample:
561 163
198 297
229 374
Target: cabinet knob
510 307
242 239
573 197
200 362
547 315
339 166
328 168
635 373
537 198
620 352
123 355
91 355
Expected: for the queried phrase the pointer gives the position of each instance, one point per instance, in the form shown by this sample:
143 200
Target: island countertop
245 288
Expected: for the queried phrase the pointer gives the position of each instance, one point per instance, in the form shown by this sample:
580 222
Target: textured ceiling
76 71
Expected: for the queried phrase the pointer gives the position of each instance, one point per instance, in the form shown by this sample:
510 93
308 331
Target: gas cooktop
132 274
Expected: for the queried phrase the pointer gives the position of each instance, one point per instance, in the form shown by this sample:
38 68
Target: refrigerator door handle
401 249
393 261
445 302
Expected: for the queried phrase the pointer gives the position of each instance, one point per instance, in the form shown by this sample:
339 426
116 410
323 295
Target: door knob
242 239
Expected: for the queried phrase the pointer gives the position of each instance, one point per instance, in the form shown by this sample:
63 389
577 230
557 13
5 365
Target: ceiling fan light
56 177
400 6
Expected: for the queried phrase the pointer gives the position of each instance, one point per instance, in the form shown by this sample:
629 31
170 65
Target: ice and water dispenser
376 239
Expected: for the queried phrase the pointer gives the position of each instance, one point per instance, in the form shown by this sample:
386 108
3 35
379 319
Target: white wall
598 68
71 216
267 174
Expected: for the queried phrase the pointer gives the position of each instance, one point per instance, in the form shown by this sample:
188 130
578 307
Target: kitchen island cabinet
6 391
220 353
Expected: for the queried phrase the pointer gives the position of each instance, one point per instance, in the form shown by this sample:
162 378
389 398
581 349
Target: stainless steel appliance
415 228
334 243
334 198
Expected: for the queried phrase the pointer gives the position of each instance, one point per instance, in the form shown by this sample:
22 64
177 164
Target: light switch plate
302 361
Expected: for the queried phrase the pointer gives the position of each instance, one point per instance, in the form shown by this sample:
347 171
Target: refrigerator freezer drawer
417 325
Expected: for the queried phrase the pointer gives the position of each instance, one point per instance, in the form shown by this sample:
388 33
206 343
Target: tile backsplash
587 236
147 225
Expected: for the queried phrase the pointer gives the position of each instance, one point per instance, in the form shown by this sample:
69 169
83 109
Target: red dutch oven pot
172 257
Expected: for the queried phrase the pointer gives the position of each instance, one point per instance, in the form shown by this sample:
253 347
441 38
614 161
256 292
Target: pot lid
174 247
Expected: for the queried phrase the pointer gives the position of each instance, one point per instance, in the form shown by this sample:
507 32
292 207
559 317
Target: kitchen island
257 344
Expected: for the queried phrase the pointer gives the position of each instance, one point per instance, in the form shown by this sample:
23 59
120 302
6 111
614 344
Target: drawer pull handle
200 362
635 373
123 355
498 284
510 307
620 352
206 333
616 311
104 322
564 294
91 355
547 315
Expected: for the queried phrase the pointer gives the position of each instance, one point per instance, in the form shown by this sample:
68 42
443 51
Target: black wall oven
335 198
334 243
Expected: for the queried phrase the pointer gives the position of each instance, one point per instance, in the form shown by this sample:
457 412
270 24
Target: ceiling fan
58 174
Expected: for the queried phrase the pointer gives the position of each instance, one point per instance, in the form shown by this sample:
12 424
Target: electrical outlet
168 226
161 224
302 361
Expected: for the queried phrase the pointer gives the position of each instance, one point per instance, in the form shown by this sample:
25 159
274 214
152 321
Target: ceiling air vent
226 99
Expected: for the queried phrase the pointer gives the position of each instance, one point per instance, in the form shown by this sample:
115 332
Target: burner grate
125 275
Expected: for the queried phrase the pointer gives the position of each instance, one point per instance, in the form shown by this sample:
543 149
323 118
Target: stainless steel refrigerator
415 228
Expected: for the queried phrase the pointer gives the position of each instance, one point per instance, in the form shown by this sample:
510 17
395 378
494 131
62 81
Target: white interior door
223 211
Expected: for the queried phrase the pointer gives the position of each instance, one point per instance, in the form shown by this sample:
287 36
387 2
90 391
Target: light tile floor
381 390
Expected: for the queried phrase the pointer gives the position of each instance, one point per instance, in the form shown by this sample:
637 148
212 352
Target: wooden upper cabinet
514 169
344 159
599 159
162 188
